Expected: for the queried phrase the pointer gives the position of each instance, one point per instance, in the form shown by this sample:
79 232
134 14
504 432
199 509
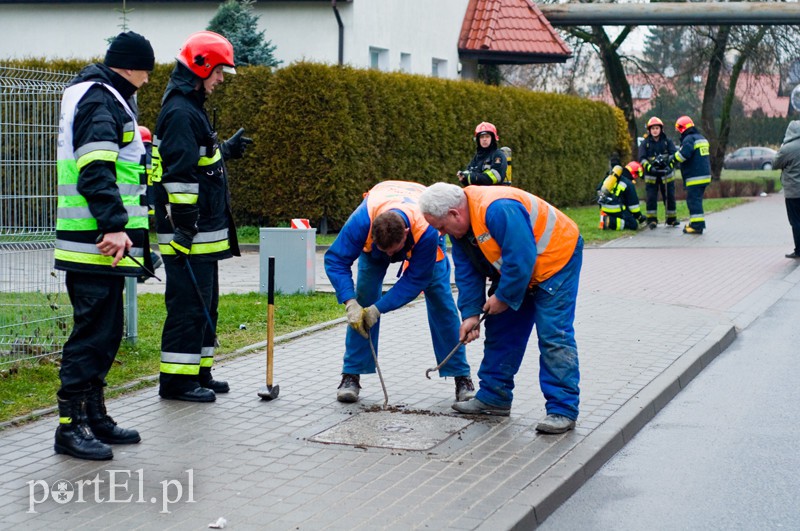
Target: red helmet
205 50
486 127
147 136
683 123
635 169
655 120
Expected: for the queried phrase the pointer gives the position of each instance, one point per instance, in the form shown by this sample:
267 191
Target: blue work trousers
551 308
443 319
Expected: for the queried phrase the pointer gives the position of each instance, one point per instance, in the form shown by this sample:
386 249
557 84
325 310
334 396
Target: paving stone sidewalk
653 309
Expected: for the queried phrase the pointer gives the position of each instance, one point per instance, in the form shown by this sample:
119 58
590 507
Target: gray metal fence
35 313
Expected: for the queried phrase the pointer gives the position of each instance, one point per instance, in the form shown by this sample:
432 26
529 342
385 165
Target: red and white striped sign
300 223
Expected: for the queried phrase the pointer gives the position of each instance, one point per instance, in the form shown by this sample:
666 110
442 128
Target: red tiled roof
510 28
755 92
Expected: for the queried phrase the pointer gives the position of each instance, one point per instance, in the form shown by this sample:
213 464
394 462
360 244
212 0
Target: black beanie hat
131 51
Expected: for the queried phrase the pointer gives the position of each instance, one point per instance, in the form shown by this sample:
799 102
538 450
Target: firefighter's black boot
103 427
208 381
73 436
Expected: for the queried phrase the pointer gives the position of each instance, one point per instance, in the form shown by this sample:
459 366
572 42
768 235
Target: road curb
533 504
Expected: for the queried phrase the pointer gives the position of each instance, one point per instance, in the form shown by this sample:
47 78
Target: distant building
440 38
759 94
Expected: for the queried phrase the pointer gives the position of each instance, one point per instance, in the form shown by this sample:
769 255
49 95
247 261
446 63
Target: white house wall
79 31
425 30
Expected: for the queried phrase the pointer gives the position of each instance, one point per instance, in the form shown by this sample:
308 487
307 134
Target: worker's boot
103 426
473 406
688 229
465 389
73 436
672 222
349 388
208 381
553 424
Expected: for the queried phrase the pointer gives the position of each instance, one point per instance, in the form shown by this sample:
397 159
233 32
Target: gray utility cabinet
295 259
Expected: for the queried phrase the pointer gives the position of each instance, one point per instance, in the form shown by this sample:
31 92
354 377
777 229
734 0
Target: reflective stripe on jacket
694 158
622 197
76 227
555 234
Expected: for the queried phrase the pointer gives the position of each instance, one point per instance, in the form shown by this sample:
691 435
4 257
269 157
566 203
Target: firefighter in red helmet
618 200
193 215
489 165
694 159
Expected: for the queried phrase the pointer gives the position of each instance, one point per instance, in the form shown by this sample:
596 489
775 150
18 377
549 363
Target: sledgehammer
268 392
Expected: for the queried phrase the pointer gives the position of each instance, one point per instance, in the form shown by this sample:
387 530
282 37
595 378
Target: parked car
750 158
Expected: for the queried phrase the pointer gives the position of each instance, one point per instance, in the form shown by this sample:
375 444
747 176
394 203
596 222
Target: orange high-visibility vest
403 196
555 234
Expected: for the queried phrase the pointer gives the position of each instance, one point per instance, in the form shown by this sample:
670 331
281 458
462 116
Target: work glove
355 317
647 166
463 177
235 146
672 161
661 161
182 242
369 316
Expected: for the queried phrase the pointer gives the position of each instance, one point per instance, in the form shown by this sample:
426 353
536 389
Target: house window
439 68
405 62
378 58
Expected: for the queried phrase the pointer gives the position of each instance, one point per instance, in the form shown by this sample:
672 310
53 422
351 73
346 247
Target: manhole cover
399 431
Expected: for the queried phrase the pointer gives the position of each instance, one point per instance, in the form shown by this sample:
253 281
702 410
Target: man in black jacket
193 217
654 154
101 233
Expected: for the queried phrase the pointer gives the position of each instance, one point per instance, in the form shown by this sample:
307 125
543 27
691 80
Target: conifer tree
236 21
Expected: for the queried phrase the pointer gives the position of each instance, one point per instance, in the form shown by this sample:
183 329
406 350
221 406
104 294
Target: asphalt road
723 454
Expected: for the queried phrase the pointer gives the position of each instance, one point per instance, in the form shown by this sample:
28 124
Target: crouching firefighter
193 217
618 200
101 234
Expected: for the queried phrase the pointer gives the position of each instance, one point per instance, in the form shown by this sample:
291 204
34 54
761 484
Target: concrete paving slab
652 311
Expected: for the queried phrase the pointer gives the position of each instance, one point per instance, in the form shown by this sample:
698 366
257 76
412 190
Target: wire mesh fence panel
35 313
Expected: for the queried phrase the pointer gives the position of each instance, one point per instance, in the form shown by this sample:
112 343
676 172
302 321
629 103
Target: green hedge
325 134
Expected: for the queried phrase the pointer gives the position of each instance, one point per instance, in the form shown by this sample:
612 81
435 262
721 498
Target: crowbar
461 342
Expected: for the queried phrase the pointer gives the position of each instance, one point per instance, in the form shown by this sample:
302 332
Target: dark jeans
97 310
793 211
